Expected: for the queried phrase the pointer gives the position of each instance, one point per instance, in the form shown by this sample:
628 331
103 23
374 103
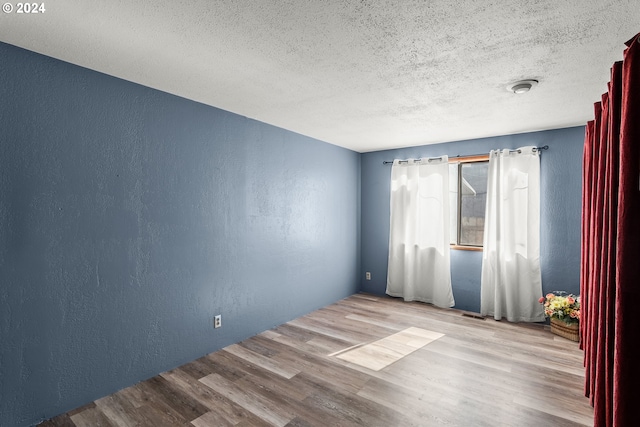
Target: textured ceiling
362 74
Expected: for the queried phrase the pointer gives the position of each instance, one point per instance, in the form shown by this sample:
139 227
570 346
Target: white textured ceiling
362 74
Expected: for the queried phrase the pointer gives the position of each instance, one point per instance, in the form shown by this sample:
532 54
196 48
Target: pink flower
541 300
550 295
570 300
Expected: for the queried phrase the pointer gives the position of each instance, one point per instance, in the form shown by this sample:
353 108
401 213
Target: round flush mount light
522 86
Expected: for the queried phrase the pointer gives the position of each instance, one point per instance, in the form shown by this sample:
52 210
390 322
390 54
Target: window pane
453 202
473 202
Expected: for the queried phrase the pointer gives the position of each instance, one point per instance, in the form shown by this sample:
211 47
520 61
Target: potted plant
563 310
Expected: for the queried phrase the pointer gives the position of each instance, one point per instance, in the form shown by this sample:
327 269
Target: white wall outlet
217 321
367 275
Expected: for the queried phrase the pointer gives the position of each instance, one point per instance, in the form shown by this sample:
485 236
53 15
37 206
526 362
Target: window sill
466 248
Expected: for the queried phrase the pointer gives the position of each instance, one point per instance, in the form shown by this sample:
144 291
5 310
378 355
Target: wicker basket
570 332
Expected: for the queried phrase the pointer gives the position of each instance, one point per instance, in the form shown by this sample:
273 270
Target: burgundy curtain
610 252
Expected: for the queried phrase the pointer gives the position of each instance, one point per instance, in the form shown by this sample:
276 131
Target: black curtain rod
544 147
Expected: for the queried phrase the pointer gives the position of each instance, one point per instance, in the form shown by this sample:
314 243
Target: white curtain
419 232
511 279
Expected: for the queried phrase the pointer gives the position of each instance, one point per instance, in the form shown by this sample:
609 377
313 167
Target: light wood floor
468 372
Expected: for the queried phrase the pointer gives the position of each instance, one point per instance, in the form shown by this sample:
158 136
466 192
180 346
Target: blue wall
130 217
561 184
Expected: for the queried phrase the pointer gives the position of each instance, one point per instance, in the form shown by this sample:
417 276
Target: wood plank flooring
478 372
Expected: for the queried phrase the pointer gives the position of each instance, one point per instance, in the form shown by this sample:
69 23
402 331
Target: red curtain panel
608 294
610 252
626 370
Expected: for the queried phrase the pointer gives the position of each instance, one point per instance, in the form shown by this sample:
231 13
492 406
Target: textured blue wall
561 184
130 217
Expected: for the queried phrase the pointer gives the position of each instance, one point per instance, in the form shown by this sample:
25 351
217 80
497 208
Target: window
468 198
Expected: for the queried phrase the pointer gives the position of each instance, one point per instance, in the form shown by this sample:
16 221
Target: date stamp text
23 8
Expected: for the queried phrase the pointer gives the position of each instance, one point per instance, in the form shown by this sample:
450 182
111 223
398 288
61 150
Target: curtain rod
544 147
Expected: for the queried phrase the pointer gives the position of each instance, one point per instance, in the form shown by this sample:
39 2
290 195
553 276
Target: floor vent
473 315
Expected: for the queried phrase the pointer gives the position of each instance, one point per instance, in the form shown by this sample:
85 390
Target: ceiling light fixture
522 86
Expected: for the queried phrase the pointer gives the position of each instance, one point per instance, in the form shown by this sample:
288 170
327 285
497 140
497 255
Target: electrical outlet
367 275
217 321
